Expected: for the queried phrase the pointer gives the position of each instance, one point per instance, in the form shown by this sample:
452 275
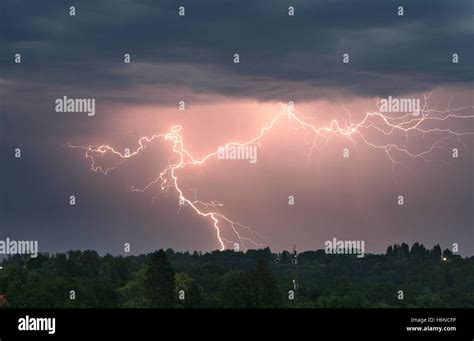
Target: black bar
313 324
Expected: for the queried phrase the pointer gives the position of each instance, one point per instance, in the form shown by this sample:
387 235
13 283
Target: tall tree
159 281
436 252
265 286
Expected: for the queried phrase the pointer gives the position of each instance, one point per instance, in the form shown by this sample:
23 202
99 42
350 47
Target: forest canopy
403 277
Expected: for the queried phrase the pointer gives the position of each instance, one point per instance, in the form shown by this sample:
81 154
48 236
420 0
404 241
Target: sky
191 58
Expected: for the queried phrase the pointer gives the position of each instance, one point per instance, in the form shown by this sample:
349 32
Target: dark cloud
298 57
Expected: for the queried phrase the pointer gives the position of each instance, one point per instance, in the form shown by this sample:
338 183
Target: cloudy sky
191 58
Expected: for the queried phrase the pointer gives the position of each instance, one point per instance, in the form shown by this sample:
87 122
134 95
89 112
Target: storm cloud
281 56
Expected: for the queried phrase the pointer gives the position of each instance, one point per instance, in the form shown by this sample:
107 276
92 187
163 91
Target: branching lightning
405 124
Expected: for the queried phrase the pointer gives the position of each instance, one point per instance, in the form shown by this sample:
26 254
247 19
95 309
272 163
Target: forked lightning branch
422 121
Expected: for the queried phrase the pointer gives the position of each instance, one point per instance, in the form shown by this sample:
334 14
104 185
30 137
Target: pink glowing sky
351 198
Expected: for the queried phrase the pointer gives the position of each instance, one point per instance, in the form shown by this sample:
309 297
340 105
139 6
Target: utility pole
294 261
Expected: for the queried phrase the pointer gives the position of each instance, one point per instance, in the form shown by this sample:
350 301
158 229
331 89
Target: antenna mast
294 261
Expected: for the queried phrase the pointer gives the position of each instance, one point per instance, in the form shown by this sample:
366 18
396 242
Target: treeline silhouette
403 277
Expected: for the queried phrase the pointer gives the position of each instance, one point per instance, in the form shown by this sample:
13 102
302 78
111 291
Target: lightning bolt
388 125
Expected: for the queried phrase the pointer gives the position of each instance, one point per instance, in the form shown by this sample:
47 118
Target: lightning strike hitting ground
387 125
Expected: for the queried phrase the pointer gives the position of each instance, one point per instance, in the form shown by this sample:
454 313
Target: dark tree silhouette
265 286
436 252
159 281
252 289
